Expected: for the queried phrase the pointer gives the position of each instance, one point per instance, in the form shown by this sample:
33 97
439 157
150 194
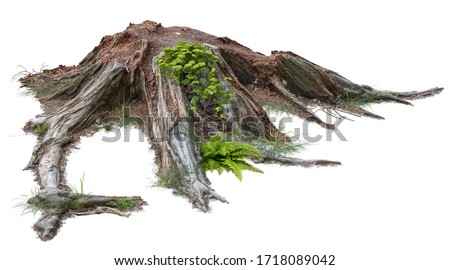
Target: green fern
220 155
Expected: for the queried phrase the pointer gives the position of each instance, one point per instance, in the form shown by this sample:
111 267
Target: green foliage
40 207
272 146
359 101
36 82
41 129
122 204
37 205
78 200
277 147
171 179
41 89
108 126
194 67
220 155
79 204
75 189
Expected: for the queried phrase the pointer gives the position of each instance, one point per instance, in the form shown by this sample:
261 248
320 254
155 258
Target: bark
59 204
174 132
122 70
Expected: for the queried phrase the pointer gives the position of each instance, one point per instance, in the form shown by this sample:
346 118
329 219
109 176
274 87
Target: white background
387 207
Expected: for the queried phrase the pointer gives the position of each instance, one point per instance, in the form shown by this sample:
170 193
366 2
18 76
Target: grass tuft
359 101
171 179
78 200
41 129
38 205
75 189
123 205
277 147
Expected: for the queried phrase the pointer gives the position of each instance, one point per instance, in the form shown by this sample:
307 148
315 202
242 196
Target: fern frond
249 167
218 154
234 167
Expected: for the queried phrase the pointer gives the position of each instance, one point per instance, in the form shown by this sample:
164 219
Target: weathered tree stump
122 70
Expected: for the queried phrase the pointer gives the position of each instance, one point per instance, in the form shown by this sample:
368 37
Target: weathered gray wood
178 144
77 114
289 161
59 204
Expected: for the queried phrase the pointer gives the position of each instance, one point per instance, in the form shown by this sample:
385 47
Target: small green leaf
195 99
203 82
204 71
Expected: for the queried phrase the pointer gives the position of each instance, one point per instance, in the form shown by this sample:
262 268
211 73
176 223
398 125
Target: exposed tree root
288 161
418 94
310 116
102 210
59 204
122 70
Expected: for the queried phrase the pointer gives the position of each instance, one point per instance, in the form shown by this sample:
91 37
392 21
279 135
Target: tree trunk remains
122 70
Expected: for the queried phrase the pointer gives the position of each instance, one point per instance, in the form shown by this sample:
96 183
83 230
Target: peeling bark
122 69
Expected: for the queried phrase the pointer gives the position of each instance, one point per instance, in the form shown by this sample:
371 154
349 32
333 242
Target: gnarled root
289 161
59 204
